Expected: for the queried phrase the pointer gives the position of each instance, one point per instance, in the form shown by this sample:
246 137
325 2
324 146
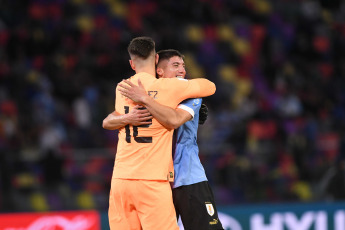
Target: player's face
174 67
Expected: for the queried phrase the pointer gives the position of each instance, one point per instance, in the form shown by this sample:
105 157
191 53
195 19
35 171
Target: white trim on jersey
188 109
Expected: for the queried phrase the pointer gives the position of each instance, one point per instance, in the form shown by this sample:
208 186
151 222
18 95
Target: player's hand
203 114
139 115
136 93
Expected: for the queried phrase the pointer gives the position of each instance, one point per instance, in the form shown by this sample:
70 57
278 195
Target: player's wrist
145 100
126 119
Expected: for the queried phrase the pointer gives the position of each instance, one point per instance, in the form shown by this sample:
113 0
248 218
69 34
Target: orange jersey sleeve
180 89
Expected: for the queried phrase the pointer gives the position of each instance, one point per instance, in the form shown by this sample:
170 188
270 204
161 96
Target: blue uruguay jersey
187 165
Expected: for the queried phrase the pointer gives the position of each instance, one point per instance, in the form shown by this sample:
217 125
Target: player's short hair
141 47
167 54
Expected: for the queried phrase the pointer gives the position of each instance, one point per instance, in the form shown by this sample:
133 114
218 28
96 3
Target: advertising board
69 220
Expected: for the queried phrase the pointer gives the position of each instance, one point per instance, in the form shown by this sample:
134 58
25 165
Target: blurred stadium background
276 128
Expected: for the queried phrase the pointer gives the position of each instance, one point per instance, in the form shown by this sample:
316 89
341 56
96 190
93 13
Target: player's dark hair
141 47
167 54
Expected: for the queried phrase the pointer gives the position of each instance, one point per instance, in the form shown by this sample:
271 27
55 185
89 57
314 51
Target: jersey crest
210 209
196 101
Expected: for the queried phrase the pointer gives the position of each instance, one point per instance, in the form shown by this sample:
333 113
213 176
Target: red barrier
69 220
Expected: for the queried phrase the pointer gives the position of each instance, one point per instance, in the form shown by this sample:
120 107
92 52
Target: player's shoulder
135 76
125 78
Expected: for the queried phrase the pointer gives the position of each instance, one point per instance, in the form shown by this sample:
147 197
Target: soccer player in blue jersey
192 194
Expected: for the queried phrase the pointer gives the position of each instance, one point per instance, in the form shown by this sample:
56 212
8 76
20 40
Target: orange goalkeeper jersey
146 152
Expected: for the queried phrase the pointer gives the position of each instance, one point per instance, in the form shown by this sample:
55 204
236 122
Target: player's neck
147 65
147 69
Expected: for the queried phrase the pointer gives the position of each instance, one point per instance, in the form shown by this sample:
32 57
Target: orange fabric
152 161
154 210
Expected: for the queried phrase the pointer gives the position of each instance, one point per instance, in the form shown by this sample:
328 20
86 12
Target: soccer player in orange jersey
193 197
140 196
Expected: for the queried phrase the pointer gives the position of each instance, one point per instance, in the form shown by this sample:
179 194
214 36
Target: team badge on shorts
209 208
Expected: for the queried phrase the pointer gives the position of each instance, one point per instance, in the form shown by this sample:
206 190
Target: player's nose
182 70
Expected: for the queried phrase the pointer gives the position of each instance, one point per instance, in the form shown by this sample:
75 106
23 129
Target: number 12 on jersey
137 138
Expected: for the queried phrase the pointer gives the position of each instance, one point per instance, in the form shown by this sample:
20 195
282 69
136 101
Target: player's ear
157 58
160 72
132 64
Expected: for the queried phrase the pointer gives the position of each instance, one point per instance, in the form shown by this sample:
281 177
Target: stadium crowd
276 125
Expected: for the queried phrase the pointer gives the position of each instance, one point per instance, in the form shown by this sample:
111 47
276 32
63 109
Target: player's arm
196 88
136 117
168 117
